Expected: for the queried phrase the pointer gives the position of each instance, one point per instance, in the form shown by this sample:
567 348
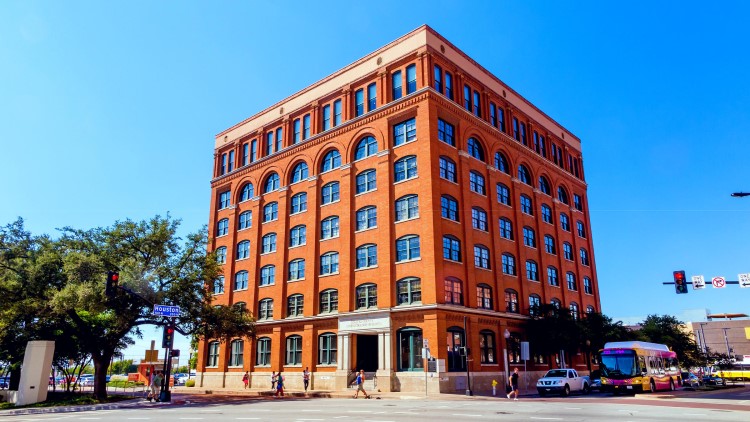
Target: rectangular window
359 102
245 153
516 134
411 78
279 139
445 132
306 127
477 105
448 85
523 134
493 114
269 143
372 96
336 113
224 198
326 117
438 79
297 133
253 150
542 148
230 162
501 119
223 165
396 85
405 132
467 98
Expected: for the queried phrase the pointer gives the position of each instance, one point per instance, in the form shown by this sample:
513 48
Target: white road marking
546 419
627 410
573 408
247 419
695 414
310 410
139 419
359 411
467 414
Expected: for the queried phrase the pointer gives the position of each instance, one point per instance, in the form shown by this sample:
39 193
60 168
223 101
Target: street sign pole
169 312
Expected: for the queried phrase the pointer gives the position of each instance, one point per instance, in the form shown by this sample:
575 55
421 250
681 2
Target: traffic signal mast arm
690 282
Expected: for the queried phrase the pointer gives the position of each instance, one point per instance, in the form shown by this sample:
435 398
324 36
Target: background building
724 333
410 200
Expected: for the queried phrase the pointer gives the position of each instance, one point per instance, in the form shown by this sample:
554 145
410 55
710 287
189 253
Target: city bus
740 371
638 366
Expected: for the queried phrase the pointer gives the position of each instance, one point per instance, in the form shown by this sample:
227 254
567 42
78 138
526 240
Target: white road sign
719 282
698 282
744 280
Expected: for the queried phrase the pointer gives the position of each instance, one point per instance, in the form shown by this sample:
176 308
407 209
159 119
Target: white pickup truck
563 382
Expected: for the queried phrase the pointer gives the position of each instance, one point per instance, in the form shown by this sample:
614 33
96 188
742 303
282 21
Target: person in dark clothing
513 383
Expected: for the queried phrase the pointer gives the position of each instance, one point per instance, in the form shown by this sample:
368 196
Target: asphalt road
684 408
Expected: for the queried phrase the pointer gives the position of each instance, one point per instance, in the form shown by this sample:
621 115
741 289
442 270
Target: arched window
556 303
267 275
481 257
237 348
263 352
246 220
549 244
409 290
571 278
590 309
247 192
240 280
407 248
544 185
332 160
298 236
564 222
221 255
474 148
367 256
546 214
330 193
449 207
366 181
476 183
327 349
501 163
241 306
222 227
526 205
270 212
523 175
454 293
451 248
567 251
509 264
299 173
484 296
447 169
296 269
588 288
367 296
243 249
503 194
574 311
584 257
411 78
366 147
293 350
529 237
295 305
367 218
552 276
219 285
532 271
268 243
272 183
535 302
581 229
407 207
329 263
506 228
212 359
511 301
265 308
487 347
409 349
479 218
405 168
456 341
329 301
299 203
329 228
562 195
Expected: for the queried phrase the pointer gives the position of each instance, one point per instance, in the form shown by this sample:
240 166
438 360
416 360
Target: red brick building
384 208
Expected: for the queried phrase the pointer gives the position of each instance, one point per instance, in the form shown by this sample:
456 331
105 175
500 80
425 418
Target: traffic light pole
166 395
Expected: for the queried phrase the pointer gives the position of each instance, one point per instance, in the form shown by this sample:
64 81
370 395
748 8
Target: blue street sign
166 310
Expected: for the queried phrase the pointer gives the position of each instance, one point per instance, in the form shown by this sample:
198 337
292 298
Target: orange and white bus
638 366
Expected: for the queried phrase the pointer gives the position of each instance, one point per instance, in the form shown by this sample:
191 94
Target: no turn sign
719 282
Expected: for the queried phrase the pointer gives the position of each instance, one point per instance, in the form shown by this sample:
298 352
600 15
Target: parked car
86 380
180 379
713 380
596 380
563 382
690 380
4 382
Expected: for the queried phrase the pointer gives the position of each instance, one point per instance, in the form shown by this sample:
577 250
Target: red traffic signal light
680 283
167 338
113 281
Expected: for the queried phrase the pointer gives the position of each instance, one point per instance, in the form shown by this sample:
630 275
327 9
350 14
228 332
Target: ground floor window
456 343
237 353
487 346
213 354
410 349
327 349
263 352
294 350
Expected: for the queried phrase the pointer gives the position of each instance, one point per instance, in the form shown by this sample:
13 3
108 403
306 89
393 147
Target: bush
190 383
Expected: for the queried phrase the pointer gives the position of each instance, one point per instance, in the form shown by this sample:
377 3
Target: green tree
670 331
552 330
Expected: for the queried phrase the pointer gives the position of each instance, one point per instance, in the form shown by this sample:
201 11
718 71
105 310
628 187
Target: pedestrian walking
513 383
306 378
360 381
273 381
156 386
246 379
279 385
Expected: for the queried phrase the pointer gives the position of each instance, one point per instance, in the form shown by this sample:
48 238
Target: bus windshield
619 366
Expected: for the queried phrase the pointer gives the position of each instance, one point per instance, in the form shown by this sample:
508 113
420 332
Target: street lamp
506 334
740 194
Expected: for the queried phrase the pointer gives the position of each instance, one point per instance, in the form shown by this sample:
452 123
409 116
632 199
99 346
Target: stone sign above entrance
366 323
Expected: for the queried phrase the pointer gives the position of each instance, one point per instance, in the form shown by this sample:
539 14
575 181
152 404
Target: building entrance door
367 353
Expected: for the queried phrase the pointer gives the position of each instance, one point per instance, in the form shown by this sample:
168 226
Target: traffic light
680 283
113 280
167 337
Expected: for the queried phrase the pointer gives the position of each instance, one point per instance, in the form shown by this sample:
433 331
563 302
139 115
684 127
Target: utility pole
466 353
726 340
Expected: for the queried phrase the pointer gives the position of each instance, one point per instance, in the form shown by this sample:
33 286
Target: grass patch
55 399
124 384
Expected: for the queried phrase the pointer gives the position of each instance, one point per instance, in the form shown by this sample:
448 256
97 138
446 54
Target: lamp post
726 340
588 355
466 354
506 334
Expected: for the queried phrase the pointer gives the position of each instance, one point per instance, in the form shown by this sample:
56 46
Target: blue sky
108 111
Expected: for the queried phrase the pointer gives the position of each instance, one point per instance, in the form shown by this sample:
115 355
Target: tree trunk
101 363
